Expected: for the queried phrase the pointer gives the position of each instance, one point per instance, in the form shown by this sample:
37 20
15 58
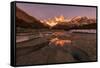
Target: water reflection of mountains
63 48
26 21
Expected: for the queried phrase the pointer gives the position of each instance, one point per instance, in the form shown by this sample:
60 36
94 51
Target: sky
42 11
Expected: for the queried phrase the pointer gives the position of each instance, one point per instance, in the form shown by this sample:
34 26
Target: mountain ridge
26 21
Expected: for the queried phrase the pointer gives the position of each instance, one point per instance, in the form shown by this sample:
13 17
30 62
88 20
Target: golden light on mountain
60 18
53 21
51 24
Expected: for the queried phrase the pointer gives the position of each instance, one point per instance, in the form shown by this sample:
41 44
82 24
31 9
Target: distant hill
70 26
88 26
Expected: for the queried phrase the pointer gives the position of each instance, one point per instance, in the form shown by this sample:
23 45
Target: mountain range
24 20
77 22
